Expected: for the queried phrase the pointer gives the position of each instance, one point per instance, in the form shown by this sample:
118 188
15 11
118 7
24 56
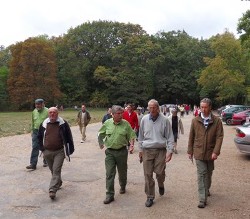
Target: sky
21 19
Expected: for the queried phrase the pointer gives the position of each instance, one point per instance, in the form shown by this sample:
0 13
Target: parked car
240 117
242 139
226 114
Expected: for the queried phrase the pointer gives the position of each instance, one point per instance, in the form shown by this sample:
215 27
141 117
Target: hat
39 101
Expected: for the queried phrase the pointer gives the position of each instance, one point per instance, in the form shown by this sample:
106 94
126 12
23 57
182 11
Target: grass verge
17 123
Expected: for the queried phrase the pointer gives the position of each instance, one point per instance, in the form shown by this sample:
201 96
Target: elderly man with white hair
56 143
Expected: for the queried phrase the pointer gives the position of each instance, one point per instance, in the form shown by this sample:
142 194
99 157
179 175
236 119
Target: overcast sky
21 19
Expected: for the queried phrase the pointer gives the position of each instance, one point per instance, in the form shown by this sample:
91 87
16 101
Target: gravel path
24 194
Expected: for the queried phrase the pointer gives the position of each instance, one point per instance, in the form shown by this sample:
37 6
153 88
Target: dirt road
24 194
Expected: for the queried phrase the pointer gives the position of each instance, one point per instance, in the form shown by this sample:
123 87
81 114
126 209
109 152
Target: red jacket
132 119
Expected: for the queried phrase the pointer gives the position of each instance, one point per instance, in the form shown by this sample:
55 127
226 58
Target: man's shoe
52 195
161 191
202 204
122 190
82 141
31 167
108 200
45 165
149 202
208 194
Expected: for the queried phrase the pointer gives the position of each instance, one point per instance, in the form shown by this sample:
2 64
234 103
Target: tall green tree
180 64
33 73
224 77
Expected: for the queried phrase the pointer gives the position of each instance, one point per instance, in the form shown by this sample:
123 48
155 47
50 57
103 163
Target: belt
117 149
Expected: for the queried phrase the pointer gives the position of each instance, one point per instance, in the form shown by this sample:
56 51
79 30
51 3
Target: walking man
56 143
115 134
39 114
204 145
83 119
177 127
156 144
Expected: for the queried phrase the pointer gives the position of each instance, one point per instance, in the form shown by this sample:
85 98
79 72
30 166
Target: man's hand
140 156
131 148
190 157
168 157
214 156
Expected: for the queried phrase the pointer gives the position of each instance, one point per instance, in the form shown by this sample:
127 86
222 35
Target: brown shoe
52 195
108 200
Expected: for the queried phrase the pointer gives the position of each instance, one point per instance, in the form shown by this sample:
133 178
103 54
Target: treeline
102 63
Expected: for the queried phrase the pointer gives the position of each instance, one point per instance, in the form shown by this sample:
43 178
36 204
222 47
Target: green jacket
38 117
205 141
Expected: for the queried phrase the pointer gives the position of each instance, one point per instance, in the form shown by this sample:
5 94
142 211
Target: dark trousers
35 149
115 159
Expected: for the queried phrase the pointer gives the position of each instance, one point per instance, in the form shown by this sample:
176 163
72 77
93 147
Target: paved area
24 194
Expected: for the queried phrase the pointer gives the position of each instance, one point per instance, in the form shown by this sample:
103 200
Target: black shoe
161 191
52 195
45 165
108 200
122 190
202 204
208 194
149 202
31 167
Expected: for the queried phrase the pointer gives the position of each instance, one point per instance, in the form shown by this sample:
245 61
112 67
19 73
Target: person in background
204 145
107 116
83 119
139 115
39 114
177 127
56 143
131 116
115 134
156 143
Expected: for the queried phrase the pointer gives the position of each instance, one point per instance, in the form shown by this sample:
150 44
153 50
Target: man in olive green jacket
83 119
205 140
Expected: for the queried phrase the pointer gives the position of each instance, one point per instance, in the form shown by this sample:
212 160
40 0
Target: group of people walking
157 141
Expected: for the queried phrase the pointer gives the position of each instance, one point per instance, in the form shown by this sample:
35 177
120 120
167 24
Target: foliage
33 73
224 77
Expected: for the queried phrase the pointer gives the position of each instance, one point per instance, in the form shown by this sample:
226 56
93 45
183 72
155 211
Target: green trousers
119 159
204 173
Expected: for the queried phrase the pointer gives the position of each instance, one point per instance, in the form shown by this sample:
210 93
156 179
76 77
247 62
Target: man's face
205 108
153 109
129 108
53 115
118 116
83 108
39 106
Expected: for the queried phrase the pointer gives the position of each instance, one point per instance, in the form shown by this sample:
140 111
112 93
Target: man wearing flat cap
39 114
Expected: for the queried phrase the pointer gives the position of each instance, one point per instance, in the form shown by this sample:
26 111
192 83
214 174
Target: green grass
17 123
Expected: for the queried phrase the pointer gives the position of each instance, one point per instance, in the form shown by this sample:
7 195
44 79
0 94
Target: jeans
35 149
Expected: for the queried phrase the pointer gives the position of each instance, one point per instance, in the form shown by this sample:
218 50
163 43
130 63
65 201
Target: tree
33 73
224 77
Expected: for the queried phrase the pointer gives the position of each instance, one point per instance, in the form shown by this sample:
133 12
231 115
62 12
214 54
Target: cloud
199 18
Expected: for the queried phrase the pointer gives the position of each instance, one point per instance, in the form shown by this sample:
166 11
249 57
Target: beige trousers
83 132
153 162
